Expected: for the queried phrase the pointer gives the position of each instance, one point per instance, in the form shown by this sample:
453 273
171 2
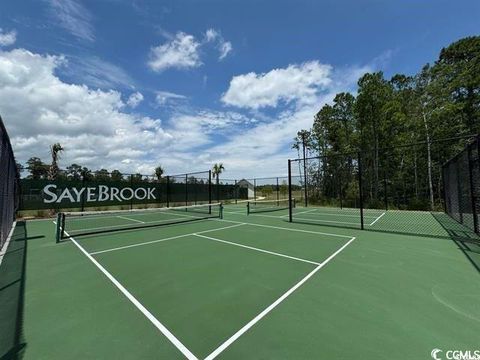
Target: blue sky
131 84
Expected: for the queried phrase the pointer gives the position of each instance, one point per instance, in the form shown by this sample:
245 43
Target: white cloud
96 72
300 83
215 36
180 53
135 99
7 38
39 109
211 35
73 17
164 97
183 50
225 49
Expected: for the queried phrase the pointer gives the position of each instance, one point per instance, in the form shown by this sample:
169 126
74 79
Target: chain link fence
9 187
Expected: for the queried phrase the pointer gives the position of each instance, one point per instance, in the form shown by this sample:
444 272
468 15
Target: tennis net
93 222
256 206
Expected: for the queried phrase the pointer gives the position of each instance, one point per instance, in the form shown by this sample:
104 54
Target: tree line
405 127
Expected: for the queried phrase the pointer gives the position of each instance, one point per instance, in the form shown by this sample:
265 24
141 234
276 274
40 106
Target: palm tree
159 172
216 171
55 151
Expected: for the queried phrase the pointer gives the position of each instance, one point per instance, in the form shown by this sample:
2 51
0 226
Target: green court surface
244 287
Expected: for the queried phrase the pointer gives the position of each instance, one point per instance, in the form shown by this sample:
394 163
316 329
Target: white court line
160 240
258 249
187 353
284 228
7 242
327 221
301 212
126 218
376 219
252 322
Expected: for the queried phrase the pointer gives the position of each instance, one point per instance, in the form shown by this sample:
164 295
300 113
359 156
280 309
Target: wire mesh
9 190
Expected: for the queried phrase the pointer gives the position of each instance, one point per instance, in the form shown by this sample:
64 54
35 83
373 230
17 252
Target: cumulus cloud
180 53
164 97
39 109
300 83
7 38
73 17
135 99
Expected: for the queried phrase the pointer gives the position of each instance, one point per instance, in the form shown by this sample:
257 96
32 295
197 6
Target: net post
248 207
254 189
236 192
360 175
59 228
168 191
221 211
472 190
290 208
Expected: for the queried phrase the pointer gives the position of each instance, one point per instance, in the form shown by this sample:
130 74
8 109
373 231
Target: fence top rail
470 137
475 140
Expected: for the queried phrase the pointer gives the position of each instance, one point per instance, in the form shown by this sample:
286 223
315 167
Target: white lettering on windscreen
96 194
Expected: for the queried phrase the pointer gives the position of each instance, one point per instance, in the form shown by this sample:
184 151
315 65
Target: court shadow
12 290
466 240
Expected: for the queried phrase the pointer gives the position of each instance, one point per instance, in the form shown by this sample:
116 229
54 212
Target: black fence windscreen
461 175
115 191
395 190
8 185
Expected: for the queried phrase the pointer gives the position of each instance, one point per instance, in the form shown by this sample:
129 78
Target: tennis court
232 285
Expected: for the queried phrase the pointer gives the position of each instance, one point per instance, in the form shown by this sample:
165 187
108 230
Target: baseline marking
284 228
378 218
160 240
127 218
258 249
301 212
7 242
183 349
252 322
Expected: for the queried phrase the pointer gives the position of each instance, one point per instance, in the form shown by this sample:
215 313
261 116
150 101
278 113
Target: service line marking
256 319
257 249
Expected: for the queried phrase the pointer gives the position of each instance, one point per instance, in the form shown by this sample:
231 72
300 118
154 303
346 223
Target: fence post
168 191
459 192
83 194
385 189
290 209
209 186
236 192
360 175
255 189
278 193
186 189
472 190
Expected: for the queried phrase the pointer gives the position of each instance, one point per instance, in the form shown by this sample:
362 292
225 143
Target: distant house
245 184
